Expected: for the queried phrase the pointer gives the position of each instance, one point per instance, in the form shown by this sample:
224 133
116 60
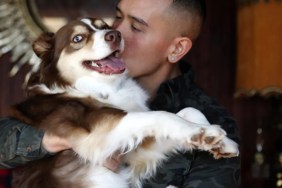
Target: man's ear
44 44
179 48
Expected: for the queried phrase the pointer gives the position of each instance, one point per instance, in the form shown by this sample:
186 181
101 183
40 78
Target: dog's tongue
112 65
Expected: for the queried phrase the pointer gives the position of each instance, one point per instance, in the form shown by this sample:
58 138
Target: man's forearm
19 143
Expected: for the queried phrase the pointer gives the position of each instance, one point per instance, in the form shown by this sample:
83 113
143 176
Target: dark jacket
20 143
195 169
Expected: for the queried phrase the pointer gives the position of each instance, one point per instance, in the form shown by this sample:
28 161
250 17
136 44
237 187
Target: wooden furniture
259 48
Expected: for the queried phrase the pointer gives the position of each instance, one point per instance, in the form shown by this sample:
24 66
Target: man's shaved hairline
190 20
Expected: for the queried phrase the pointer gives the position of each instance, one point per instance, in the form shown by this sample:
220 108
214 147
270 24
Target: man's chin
131 70
132 75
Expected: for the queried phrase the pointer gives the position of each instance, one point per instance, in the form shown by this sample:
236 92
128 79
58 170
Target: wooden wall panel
259 63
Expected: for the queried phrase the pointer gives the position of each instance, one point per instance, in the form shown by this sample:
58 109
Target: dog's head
85 47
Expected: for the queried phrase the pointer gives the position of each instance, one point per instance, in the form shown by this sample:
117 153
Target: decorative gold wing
20 25
17 31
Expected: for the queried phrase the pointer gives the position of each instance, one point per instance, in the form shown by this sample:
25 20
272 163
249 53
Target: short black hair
193 9
195 6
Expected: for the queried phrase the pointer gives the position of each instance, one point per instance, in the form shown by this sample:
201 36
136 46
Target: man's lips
108 65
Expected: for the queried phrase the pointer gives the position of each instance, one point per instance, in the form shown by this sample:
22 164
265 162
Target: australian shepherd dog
82 93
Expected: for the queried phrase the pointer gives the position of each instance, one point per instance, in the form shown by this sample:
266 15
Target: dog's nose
113 37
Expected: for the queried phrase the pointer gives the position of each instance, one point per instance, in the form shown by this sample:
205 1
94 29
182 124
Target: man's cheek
132 47
129 43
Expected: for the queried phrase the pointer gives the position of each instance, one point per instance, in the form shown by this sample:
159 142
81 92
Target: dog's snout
113 37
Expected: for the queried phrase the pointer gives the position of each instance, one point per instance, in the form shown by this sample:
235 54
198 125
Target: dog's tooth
94 64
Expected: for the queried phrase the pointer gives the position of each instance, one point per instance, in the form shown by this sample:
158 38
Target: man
157 33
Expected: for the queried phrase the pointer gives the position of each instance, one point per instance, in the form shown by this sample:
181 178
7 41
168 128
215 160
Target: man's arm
196 169
208 172
20 143
205 170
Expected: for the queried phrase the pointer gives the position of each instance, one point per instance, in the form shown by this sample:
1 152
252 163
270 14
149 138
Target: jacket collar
169 94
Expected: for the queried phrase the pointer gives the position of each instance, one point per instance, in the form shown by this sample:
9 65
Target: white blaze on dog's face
92 51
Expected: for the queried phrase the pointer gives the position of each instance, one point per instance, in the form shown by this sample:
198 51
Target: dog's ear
44 44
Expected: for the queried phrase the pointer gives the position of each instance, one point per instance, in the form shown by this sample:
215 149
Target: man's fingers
114 162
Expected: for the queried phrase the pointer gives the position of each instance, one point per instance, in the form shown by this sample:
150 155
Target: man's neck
152 82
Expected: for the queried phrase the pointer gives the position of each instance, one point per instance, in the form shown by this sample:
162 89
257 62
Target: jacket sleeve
19 143
205 170
198 169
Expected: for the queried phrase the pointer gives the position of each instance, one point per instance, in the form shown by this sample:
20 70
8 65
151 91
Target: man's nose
113 37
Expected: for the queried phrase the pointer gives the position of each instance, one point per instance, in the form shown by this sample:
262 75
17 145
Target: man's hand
114 162
54 144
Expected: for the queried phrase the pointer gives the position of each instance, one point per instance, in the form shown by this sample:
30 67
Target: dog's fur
83 94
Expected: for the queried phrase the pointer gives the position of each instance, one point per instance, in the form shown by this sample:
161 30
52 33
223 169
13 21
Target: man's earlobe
181 46
172 59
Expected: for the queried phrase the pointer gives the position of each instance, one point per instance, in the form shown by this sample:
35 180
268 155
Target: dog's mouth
111 64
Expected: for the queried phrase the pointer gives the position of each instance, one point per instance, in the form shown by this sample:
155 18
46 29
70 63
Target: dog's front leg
131 130
148 136
134 127
137 126
126 133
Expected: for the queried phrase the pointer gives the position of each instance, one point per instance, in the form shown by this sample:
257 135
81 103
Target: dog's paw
214 140
226 148
207 138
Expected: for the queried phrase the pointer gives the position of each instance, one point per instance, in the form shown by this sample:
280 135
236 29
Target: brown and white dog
82 93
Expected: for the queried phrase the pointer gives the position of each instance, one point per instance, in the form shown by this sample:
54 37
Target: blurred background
237 60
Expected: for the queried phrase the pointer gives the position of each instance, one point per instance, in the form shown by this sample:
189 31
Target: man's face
147 33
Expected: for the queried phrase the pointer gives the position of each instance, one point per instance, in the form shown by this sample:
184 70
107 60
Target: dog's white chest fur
123 93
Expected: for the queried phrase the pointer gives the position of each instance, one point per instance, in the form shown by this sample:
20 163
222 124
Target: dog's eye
77 38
